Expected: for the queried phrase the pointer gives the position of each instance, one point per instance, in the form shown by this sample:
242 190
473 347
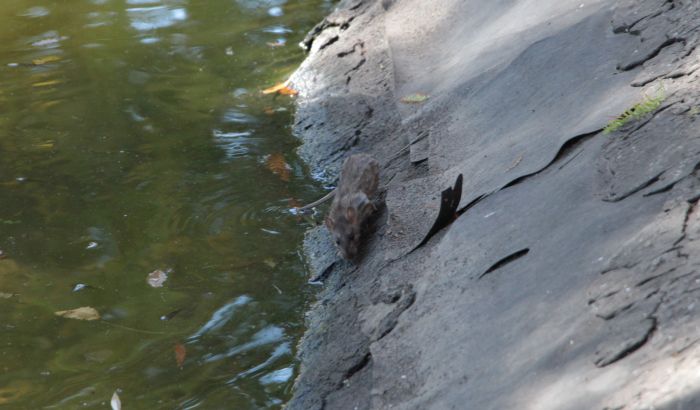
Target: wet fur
353 203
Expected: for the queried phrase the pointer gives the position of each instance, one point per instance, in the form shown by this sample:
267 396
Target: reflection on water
155 16
133 138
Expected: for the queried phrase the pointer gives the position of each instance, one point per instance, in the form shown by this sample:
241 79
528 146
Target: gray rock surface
570 278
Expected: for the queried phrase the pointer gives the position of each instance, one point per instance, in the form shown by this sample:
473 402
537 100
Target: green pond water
134 138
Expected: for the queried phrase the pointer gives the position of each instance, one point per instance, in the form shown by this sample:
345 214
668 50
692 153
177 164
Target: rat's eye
337 241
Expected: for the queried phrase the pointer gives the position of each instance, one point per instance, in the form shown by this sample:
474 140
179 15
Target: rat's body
352 204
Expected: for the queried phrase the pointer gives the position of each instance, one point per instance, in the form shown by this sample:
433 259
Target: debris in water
46 60
116 403
81 313
158 277
180 353
80 286
170 315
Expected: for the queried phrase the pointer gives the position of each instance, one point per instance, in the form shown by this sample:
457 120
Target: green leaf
414 98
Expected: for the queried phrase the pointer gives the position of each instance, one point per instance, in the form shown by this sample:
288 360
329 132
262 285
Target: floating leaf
180 353
279 43
45 60
157 277
81 313
44 145
281 88
48 104
278 166
4 295
46 83
414 98
116 402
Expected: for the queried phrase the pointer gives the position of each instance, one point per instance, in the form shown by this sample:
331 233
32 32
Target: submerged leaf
278 43
45 60
157 278
281 88
180 353
414 98
116 402
44 145
279 166
81 313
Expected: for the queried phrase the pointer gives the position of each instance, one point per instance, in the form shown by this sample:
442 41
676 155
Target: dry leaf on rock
414 98
158 277
81 313
180 353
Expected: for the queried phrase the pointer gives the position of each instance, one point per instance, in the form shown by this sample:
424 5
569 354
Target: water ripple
221 316
151 18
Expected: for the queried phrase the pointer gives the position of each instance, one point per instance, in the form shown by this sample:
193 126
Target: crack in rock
505 261
612 352
340 19
405 300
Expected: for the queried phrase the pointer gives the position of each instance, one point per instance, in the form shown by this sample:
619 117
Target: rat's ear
360 200
329 222
351 214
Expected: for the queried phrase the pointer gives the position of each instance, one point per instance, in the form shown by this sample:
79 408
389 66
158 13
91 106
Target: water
134 138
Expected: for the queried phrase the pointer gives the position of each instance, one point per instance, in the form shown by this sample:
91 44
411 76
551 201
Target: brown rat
352 204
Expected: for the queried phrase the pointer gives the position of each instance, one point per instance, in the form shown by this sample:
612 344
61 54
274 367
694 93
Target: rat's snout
350 250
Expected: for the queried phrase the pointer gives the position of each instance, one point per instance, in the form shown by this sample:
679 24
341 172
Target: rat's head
346 226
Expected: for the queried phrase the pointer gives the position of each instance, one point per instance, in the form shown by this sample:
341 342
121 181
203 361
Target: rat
352 203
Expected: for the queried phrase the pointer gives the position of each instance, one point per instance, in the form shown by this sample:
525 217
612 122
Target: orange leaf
281 88
279 166
180 353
